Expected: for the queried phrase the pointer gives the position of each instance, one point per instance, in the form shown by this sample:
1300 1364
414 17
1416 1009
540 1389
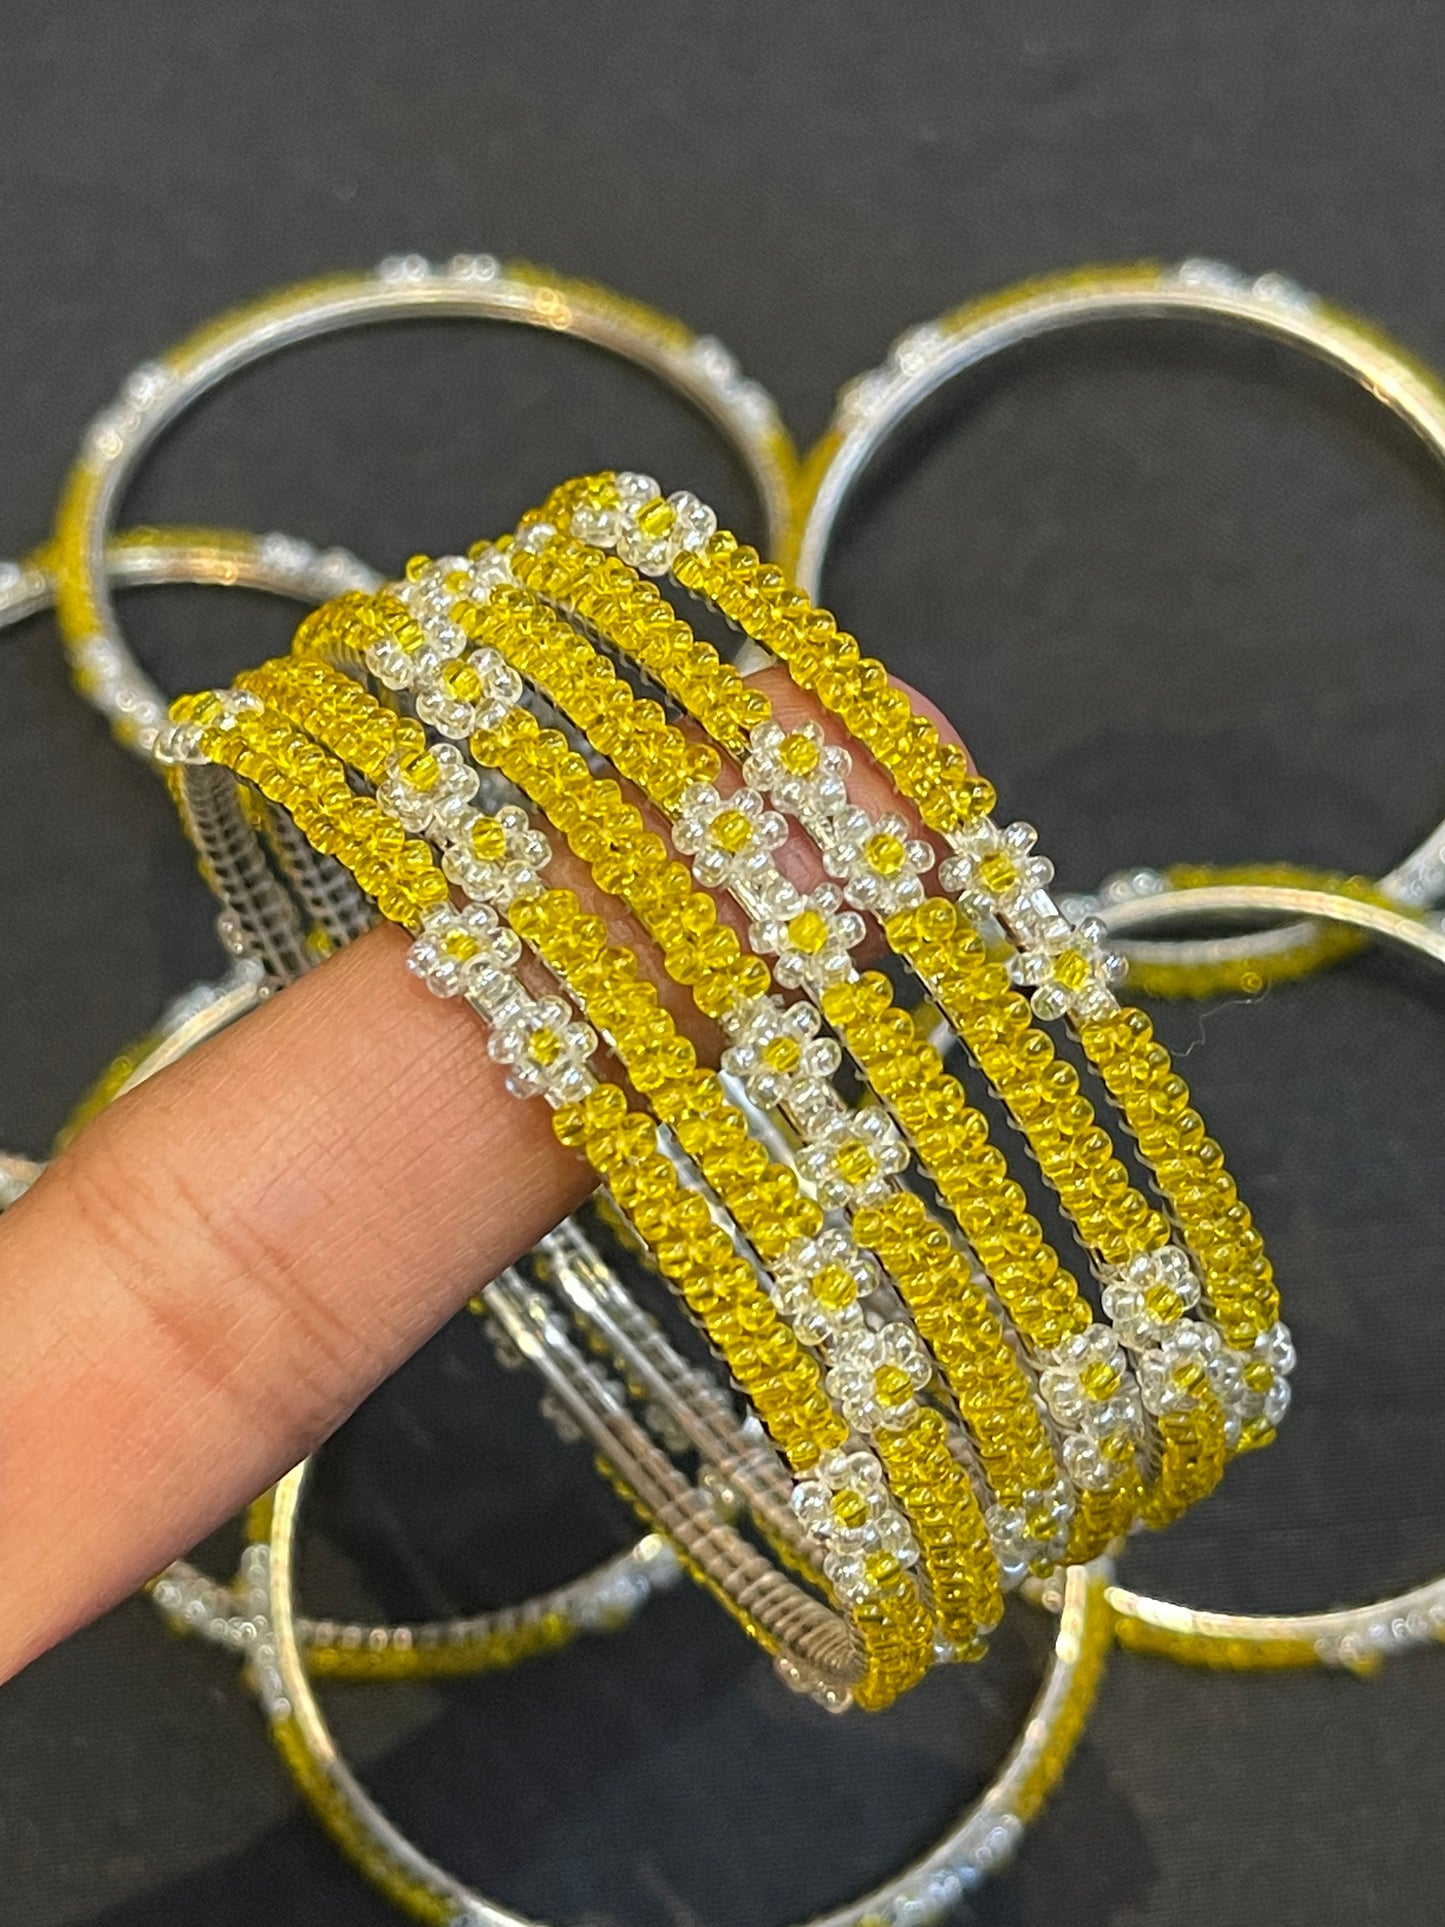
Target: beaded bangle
1209 1384
981 1841
993 880
882 1640
702 1119
1356 1637
923 359
730 846
405 287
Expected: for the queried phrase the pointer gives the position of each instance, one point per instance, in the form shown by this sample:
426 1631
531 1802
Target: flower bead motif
469 693
853 1160
994 873
1264 1375
427 792
1188 1361
1147 1297
415 651
879 861
876 1376
546 1050
630 515
822 1284
457 947
778 1057
810 937
798 770
1022 1534
730 839
847 1507
1071 973
496 859
1086 1384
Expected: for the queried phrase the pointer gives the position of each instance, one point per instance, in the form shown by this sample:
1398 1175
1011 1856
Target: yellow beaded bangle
886 1626
761 1196
634 619
566 669
993 869
948 1308
462 642
588 812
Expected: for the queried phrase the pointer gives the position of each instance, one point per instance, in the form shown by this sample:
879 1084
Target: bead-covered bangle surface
1356 1637
980 1421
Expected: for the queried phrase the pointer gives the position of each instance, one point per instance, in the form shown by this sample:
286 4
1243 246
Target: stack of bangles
940 1373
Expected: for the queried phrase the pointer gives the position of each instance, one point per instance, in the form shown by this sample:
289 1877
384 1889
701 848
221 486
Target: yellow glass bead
1163 1304
798 753
1099 1379
885 854
462 682
892 1385
808 932
731 831
460 945
783 1055
834 1287
488 840
421 771
656 518
855 1163
998 872
849 1508
1072 969
544 1046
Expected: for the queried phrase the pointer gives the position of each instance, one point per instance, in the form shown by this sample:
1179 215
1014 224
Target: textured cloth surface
1182 593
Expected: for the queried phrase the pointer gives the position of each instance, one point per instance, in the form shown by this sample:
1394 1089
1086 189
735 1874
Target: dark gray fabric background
1183 595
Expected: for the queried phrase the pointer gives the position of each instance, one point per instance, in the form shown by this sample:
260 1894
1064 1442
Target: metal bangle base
981 1841
477 287
929 355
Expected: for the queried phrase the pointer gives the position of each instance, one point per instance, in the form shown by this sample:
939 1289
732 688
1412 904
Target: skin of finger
222 1265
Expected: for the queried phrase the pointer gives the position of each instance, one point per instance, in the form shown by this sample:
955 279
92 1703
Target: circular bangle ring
922 360
140 558
980 1841
190 1599
407 287
1356 1637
